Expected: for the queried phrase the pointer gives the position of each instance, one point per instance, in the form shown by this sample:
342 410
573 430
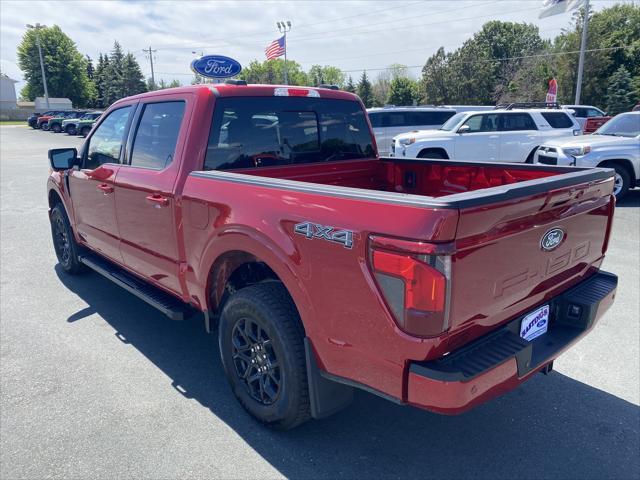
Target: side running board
167 304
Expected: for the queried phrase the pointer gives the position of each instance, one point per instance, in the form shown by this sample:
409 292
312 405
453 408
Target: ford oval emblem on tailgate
552 239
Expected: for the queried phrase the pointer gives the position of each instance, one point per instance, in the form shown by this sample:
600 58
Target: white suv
616 144
388 122
500 135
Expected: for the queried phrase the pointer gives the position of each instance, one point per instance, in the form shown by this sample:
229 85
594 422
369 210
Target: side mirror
464 129
63 158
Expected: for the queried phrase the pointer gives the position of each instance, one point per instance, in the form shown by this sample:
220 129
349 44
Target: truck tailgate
501 269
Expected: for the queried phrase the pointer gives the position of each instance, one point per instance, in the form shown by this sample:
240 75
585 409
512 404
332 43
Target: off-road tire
71 130
269 306
64 242
57 128
84 131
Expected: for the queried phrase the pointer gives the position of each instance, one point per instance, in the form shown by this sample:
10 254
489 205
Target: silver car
388 122
616 144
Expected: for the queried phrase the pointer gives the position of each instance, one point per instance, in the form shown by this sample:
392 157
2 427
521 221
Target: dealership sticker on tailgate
535 324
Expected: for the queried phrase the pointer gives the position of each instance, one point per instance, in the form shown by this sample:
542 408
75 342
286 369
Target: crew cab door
92 186
518 136
144 196
481 142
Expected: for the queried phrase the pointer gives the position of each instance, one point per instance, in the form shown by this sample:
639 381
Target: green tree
113 76
402 91
476 73
350 86
100 79
364 90
132 77
615 33
272 72
620 94
319 75
65 66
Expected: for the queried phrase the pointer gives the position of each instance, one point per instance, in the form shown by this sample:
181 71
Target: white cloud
353 35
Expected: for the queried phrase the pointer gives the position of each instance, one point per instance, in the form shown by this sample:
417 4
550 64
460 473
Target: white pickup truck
616 145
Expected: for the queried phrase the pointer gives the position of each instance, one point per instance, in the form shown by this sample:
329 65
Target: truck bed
441 182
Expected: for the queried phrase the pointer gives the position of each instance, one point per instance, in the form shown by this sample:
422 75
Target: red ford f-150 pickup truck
433 283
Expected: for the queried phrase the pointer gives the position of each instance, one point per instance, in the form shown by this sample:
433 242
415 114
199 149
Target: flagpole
286 79
285 27
583 46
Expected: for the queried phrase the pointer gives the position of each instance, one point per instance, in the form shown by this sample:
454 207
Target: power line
353 29
503 59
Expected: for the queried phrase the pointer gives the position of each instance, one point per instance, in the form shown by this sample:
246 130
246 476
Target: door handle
158 200
106 189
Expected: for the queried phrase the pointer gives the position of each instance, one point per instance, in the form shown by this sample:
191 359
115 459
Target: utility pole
150 53
583 46
44 76
284 28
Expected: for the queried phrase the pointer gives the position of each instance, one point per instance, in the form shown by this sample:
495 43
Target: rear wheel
85 131
262 348
57 128
45 127
63 241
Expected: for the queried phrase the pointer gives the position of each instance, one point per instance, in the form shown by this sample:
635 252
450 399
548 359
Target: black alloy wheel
255 361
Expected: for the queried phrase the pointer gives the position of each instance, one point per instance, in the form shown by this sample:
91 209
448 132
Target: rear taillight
415 285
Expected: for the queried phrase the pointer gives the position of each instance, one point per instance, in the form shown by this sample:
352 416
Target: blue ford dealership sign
216 66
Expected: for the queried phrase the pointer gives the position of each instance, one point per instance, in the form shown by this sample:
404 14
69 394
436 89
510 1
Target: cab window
105 145
156 136
250 132
483 123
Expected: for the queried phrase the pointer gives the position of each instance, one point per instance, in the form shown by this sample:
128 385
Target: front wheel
56 128
262 348
71 130
45 127
63 241
622 180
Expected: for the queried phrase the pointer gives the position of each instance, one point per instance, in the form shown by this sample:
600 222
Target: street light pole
284 28
583 46
44 76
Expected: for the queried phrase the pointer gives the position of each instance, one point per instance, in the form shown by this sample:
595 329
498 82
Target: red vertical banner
552 93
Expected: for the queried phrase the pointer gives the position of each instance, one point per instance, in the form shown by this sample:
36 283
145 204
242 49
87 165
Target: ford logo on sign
216 66
552 239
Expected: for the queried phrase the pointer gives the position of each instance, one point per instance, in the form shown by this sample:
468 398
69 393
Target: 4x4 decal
313 230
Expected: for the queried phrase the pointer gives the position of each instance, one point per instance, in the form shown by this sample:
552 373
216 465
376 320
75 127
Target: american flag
276 49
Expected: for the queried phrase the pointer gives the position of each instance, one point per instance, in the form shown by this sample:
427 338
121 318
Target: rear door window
513 122
557 119
429 118
376 120
249 132
156 136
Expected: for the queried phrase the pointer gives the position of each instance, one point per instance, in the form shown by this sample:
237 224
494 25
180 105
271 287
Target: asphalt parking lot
96 384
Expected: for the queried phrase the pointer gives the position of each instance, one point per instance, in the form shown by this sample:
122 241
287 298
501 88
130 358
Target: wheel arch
245 259
625 163
440 150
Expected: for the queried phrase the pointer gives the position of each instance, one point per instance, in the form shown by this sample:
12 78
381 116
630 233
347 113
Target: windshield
453 121
623 125
266 131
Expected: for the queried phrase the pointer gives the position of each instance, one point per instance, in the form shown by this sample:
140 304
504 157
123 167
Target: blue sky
353 35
